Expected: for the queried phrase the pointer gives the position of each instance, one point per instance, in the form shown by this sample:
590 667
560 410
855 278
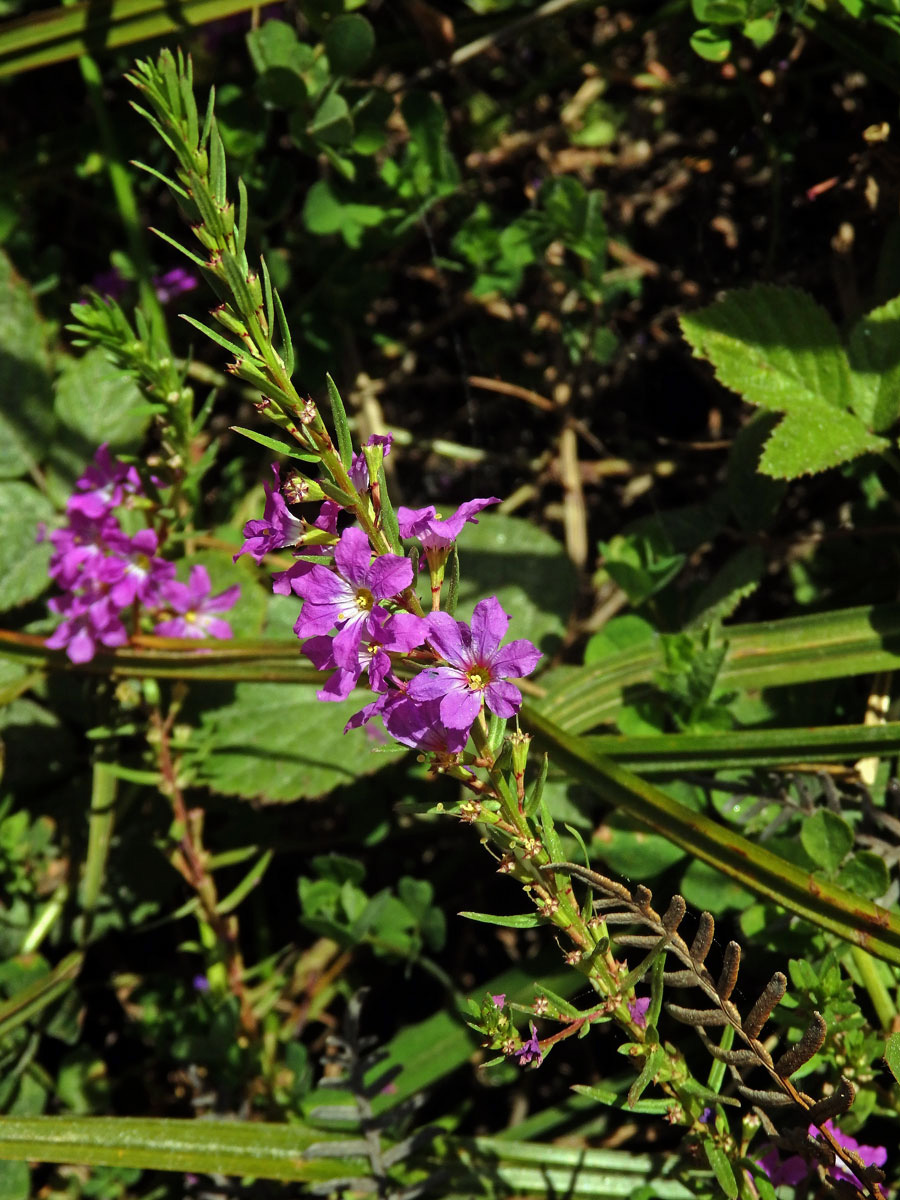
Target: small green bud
226 316
255 287
518 744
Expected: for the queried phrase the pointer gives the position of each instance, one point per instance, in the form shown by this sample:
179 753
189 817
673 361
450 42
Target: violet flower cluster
794 1170
357 618
109 579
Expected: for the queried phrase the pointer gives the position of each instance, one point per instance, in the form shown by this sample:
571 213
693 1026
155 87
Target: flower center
364 600
478 679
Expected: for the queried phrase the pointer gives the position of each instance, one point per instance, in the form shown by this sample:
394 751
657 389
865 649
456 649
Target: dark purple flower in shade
638 1010
434 533
196 612
173 283
795 1169
277 527
89 619
872 1156
789 1171
531 1050
110 283
201 983
103 486
344 597
477 669
380 635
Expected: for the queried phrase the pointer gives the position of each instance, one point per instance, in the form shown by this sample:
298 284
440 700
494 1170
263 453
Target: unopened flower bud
226 316
518 744
255 289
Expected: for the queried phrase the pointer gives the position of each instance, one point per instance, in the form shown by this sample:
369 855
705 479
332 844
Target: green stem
881 999
102 817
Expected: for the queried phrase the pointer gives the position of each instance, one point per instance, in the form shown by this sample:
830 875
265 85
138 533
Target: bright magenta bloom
477 667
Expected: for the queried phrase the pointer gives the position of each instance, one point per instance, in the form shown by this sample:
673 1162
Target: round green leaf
349 42
865 874
827 839
711 45
332 123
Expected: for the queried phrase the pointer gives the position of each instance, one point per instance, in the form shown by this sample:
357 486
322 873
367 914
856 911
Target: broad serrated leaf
26 406
100 402
815 441
276 744
23 560
874 353
778 349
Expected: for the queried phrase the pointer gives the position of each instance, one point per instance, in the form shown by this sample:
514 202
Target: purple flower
344 597
499 1001
790 1171
638 1010
380 635
795 1169
412 723
80 548
359 466
173 283
110 283
282 581
196 610
530 1050
434 533
277 528
88 619
103 486
477 668
133 572
872 1156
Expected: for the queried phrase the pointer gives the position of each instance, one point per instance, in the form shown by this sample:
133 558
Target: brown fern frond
811 1043
623 908
703 939
731 964
762 1009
